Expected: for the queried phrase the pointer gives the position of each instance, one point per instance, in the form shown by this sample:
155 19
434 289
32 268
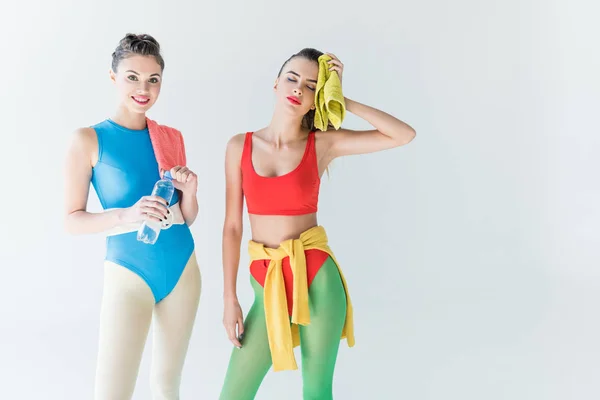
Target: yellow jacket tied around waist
282 335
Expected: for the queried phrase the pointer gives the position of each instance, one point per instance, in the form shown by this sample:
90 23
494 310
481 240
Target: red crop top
294 193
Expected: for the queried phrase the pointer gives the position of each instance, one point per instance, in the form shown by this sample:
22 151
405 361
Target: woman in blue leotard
118 158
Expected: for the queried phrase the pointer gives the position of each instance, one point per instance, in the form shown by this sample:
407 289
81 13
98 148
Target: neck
284 128
130 120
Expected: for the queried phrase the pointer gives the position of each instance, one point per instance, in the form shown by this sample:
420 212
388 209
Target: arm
186 182
389 132
81 156
189 206
77 175
232 238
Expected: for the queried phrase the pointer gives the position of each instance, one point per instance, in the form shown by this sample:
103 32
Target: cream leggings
126 314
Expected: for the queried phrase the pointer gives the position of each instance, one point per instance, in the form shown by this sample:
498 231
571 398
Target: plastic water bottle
149 231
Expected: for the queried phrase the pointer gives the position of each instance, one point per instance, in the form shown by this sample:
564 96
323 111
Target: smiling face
295 87
138 81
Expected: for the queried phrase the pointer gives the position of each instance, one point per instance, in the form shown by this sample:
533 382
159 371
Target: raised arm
389 131
232 238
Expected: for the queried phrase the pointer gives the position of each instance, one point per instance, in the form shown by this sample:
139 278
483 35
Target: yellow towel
282 336
329 100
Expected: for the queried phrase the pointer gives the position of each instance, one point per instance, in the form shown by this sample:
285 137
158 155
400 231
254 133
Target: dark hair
141 45
312 55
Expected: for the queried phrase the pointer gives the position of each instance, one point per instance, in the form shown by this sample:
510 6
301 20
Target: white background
471 254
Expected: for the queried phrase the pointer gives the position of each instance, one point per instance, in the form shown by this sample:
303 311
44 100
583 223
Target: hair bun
135 43
132 44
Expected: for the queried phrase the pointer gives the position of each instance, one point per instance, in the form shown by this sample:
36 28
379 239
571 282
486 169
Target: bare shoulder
84 136
84 143
332 134
236 143
235 146
325 140
236 140
322 136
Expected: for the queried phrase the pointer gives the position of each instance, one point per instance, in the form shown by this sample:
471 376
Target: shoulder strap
247 150
311 150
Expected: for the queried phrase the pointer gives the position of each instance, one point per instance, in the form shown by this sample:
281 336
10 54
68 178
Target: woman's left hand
335 65
184 179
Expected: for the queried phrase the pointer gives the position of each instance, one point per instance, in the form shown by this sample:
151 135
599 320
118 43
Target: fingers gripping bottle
149 231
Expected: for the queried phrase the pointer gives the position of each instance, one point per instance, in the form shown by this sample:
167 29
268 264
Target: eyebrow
130 70
294 73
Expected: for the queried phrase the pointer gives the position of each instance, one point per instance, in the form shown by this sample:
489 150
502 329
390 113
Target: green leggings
319 341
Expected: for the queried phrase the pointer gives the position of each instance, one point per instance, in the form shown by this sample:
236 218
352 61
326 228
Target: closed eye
309 87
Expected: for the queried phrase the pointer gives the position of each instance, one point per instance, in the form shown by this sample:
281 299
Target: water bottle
149 231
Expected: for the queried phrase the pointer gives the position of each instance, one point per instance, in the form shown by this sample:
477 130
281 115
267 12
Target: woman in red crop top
301 294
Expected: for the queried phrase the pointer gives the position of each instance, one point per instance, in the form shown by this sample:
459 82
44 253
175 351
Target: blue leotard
126 171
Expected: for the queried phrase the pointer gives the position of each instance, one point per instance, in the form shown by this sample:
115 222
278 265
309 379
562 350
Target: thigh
173 324
125 317
320 340
249 365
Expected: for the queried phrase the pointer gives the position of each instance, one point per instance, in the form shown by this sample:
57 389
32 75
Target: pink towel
168 145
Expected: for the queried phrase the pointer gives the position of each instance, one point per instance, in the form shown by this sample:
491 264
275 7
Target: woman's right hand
234 318
148 208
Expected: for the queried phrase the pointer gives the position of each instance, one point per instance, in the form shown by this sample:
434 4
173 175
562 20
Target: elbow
232 230
412 135
407 136
190 219
69 226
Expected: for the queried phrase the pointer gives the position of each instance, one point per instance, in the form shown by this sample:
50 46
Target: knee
165 387
317 391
